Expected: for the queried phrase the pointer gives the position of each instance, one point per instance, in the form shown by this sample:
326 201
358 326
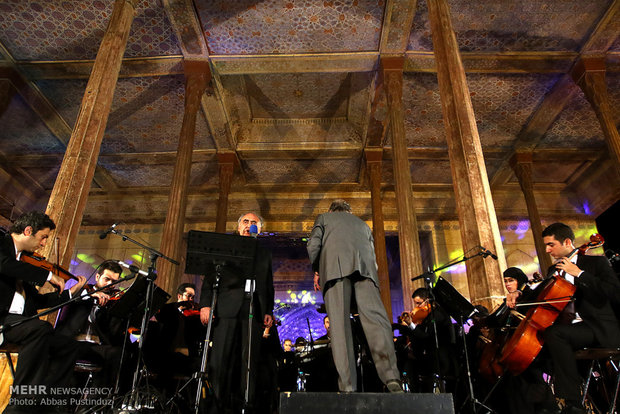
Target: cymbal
322 341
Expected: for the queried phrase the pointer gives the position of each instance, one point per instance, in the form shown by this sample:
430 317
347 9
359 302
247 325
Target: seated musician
88 321
527 392
422 338
593 324
177 341
325 338
45 358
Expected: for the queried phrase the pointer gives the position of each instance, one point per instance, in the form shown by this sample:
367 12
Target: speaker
364 403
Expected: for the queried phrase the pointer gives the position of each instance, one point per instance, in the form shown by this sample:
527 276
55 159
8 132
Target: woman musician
516 394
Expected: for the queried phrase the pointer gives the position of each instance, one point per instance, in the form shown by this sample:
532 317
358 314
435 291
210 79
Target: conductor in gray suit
341 250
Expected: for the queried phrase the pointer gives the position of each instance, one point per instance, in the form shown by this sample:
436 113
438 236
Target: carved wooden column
197 76
226 162
409 243
374 159
68 198
471 184
521 163
589 75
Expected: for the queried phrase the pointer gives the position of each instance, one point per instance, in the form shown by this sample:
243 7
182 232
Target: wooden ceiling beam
397 25
423 62
130 68
182 16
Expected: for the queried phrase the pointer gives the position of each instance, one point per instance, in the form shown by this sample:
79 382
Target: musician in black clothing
45 358
593 323
100 335
526 393
422 339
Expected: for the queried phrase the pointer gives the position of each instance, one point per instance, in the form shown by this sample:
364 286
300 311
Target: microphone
132 268
612 256
253 230
486 253
108 231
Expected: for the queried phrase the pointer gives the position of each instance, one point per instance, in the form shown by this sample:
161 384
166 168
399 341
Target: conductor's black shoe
394 386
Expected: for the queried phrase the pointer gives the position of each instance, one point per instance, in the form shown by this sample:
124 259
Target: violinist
175 344
421 333
100 335
593 322
45 358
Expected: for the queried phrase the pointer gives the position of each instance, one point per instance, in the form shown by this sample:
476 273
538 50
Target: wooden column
589 75
197 76
471 184
226 163
521 163
68 198
409 243
374 159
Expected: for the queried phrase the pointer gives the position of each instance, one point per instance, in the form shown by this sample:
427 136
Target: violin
189 308
420 313
38 260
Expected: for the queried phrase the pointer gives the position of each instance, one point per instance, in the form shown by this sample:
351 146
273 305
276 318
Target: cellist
592 323
526 393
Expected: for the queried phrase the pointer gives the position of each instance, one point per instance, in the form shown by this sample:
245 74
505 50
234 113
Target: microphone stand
427 278
132 401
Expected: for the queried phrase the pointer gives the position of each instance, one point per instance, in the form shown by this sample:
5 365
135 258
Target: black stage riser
364 403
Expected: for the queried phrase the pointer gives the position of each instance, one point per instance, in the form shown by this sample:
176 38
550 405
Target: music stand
452 301
209 252
461 310
133 301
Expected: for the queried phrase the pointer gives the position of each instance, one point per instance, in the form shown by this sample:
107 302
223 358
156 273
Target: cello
556 292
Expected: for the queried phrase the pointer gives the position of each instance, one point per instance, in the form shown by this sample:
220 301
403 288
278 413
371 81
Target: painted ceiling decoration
296 96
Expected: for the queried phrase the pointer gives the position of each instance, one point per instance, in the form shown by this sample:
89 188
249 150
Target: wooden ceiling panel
45 176
514 26
49 30
430 172
290 26
504 103
422 107
554 172
298 95
22 131
306 133
301 171
575 127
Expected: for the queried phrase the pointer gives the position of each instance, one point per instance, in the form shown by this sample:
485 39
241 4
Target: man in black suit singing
593 321
228 359
341 249
45 358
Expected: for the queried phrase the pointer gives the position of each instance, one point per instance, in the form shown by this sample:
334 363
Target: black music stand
207 254
133 302
461 310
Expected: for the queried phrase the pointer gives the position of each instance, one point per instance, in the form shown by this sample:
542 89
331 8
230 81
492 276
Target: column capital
228 157
587 64
395 63
521 157
373 155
